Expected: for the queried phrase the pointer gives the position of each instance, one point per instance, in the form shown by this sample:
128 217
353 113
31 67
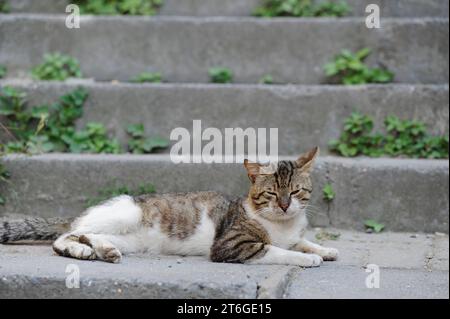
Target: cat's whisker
313 206
313 210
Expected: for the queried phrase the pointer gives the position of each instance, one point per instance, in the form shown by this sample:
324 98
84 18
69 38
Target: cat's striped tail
32 228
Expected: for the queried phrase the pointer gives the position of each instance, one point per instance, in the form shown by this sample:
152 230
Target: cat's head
281 191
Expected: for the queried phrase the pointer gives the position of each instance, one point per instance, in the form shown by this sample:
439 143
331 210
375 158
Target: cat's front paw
311 260
111 255
330 254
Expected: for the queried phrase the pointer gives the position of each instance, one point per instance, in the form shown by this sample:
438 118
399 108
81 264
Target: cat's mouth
287 212
281 214
293 209
275 213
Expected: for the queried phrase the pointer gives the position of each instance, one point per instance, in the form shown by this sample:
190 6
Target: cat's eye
272 193
295 192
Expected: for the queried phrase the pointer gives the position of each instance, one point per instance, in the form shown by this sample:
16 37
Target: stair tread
35 272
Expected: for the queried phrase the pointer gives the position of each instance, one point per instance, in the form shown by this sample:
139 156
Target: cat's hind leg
102 228
102 247
88 247
110 248
68 245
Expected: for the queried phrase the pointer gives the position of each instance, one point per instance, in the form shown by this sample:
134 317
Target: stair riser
408 195
305 116
183 49
398 8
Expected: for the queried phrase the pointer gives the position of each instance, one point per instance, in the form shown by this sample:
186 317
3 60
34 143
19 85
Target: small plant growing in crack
2 71
147 77
4 6
221 75
57 67
302 8
405 138
139 144
4 176
266 79
119 7
350 69
328 193
373 226
51 128
323 235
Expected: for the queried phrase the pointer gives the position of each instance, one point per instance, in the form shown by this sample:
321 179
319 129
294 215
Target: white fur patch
119 215
197 244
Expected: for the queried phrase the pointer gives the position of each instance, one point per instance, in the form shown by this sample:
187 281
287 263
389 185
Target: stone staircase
413 266
190 36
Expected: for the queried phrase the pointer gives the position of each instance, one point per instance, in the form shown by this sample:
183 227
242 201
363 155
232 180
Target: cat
266 227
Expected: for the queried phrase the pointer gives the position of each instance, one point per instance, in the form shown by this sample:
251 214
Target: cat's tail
32 228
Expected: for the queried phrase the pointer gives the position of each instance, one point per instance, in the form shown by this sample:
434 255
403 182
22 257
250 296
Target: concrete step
305 116
404 194
410 265
389 8
184 48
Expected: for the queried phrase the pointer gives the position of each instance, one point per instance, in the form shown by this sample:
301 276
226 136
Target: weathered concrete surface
401 8
35 272
305 116
330 282
28 272
388 249
437 256
388 190
291 50
411 266
37 6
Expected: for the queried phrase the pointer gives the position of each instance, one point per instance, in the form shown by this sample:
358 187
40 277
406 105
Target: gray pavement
411 266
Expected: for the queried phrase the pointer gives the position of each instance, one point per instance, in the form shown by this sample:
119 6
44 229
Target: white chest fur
284 234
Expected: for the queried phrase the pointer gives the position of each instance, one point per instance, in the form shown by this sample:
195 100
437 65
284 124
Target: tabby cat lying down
267 227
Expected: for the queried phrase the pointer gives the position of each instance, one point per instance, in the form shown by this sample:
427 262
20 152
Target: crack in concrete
276 285
430 254
366 258
329 181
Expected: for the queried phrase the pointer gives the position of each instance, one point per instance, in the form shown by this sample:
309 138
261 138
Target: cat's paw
111 255
330 254
311 260
82 252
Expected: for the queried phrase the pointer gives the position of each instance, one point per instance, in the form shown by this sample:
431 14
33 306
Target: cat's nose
284 205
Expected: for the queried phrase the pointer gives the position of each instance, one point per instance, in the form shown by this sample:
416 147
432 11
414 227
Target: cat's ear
253 169
306 161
